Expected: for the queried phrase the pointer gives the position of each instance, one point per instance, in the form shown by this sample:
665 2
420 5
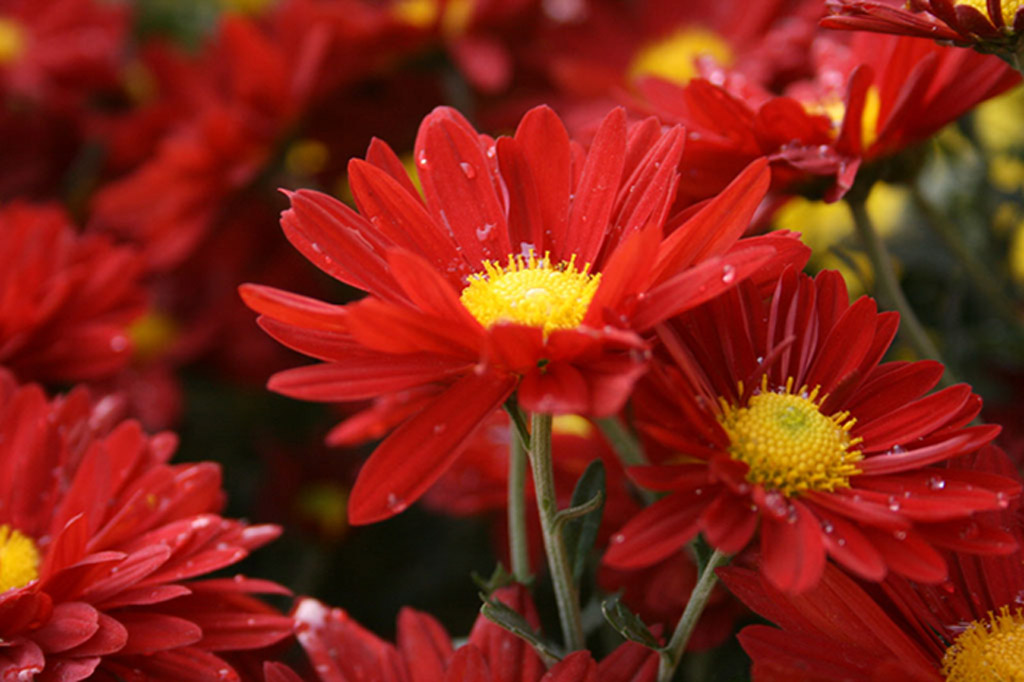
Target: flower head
526 265
780 418
341 649
966 629
867 100
994 27
102 544
68 299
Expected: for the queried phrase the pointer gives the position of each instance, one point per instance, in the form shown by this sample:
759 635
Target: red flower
340 650
784 420
530 266
613 43
66 299
244 92
899 630
56 52
989 26
101 542
869 100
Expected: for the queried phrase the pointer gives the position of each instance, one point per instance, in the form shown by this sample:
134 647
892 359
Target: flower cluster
571 327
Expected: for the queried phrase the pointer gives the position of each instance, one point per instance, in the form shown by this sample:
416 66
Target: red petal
364 375
729 523
402 219
420 450
458 187
510 658
467 665
423 640
792 551
913 420
293 309
656 532
907 553
698 284
72 623
595 192
718 225
152 632
578 666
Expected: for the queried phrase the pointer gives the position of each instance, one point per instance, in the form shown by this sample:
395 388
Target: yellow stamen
306 158
19 559
455 15
990 650
674 58
153 334
531 292
789 445
1009 8
249 7
835 109
12 41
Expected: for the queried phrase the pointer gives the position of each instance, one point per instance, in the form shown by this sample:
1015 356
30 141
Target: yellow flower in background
823 226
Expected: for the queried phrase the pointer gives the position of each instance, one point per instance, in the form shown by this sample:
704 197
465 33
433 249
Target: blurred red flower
783 419
868 100
527 265
55 52
340 649
67 299
101 542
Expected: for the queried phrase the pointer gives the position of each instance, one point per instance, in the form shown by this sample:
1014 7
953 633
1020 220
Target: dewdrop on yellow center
989 650
19 559
531 292
789 445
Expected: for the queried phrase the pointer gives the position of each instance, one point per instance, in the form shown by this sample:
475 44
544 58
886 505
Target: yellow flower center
674 58
789 445
12 41
531 292
991 650
422 14
835 110
1009 8
19 559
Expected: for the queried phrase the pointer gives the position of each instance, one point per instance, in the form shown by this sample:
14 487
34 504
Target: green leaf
628 624
499 578
580 532
509 619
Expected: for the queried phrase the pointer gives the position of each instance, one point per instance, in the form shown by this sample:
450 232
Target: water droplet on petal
728 273
439 428
936 483
468 170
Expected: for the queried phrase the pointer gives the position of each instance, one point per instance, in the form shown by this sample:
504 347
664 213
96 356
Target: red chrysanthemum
991 26
55 52
785 422
526 265
340 650
66 298
101 542
247 88
968 629
868 100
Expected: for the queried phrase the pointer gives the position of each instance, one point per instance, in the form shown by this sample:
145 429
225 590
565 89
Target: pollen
1009 8
990 650
674 57
19 559
788 443
532 292
12 41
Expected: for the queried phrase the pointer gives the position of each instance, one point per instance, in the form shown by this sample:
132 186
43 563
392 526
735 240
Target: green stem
554 544
518 547
977 272
625 444
628 449
672 654
888 287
